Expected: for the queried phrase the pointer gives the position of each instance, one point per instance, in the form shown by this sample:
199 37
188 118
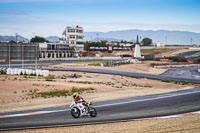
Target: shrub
178 59
58 93
198 60
49 78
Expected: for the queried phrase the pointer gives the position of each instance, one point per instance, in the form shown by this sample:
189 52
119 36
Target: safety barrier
18 71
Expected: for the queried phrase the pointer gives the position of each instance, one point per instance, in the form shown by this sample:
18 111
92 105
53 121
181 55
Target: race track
110 111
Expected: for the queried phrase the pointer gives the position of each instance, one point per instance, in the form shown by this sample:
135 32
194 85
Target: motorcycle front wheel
75 112
93 112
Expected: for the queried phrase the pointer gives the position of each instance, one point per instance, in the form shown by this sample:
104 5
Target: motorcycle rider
78 99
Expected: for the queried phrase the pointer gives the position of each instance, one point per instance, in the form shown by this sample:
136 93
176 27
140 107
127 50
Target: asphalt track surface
109 111
166 78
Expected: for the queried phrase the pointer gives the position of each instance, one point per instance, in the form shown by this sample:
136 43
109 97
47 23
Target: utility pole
36 57
22 57
16 37
33 34
166 40
9 56
97 37
191 40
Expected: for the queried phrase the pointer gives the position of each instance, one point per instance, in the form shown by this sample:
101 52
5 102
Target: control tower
137 52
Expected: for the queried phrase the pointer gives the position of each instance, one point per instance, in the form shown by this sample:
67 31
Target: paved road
190 73
130 74
109 111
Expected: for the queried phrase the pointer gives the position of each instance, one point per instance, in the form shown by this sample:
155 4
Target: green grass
135 85
155 50
97 63
49 78
58 93
166 81
88 82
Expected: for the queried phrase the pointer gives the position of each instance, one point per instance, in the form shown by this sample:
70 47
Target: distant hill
52 38
173 37
10 38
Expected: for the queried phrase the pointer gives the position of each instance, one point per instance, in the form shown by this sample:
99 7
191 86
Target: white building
159 44
74 37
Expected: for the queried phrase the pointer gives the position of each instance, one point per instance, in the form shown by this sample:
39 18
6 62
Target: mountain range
164 36
11 38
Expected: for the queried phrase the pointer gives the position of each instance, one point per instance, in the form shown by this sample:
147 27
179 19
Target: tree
38 39
12 41
94 44
147 41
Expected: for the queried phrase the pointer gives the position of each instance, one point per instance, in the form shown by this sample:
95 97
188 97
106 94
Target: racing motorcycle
79 110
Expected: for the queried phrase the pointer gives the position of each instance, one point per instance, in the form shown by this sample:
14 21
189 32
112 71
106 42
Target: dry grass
15 90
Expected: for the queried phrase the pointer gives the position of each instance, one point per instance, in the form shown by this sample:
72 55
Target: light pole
36 57
9 56
22 57
16 37
97 37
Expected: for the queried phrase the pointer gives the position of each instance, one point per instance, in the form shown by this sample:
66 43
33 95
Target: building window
72 36
71 30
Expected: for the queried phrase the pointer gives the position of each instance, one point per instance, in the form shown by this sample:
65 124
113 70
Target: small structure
159 44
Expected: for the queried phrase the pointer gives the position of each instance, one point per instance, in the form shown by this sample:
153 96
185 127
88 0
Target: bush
178 59
59 93
2 71
49 78
198 60
54 93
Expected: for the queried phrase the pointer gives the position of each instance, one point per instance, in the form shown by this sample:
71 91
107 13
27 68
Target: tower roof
137 41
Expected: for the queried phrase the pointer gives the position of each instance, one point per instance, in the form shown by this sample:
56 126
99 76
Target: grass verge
59 93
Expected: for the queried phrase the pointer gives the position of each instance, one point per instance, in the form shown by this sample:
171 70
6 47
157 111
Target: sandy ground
145 67
15 90
186 124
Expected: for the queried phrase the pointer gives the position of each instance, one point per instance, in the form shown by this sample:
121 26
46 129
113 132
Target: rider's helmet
75 95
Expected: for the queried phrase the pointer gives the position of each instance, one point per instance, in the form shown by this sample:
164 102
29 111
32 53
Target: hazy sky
50 17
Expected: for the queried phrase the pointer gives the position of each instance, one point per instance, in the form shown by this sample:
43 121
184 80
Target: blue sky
50 17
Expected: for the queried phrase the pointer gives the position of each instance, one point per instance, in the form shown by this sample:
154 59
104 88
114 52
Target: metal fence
19 51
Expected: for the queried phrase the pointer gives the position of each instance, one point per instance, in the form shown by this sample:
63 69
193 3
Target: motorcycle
79 110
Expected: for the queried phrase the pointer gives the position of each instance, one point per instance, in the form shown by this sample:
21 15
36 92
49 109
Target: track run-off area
172 104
